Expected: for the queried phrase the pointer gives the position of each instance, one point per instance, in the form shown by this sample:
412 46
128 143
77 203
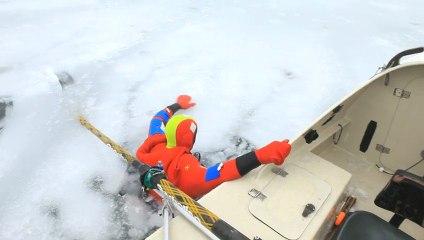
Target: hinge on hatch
381 148
401 93
279 171
257 194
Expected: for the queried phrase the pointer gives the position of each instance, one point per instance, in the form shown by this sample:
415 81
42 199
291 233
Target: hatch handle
309 208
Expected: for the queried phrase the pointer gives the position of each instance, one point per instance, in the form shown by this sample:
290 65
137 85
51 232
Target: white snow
260 70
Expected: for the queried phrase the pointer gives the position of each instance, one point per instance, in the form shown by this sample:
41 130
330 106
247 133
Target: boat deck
231 201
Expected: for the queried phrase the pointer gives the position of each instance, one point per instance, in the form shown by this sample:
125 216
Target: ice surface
258 70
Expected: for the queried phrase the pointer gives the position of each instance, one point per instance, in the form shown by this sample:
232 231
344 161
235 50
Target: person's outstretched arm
159 121
196 180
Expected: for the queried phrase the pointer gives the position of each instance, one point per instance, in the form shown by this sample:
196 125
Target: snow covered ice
259 70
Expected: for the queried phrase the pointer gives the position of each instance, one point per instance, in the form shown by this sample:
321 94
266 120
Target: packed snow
258 71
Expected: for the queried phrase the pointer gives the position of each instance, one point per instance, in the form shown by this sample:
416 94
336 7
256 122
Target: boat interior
366 147
380 132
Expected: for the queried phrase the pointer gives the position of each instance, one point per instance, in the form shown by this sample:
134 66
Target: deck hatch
283 209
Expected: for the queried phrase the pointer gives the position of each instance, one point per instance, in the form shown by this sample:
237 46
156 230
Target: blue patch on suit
156 127
213 172
158 122
163 114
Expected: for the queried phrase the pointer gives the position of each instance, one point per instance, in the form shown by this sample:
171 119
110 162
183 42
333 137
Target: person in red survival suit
172 148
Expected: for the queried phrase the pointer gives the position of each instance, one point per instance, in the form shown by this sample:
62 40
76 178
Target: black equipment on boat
403 195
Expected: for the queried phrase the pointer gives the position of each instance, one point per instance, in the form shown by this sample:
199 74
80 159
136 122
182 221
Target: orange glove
185 101
274 152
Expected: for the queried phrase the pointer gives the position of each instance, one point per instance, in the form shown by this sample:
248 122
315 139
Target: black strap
247 162
174 107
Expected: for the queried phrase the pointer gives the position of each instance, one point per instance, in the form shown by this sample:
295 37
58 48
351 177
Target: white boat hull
343 159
